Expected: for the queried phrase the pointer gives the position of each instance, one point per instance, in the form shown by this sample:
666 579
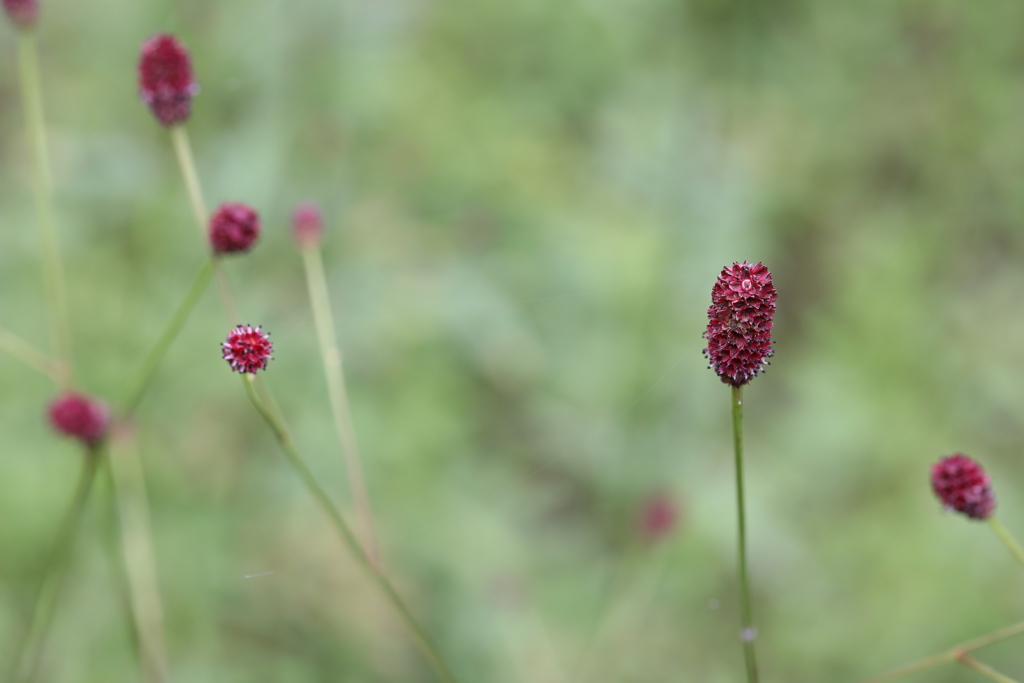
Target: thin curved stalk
42 184
30 651
423 641
338 394
950 655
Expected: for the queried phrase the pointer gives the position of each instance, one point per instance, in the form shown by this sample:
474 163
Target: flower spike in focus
166 83
962 485
80 417
234 228
247 349
739 332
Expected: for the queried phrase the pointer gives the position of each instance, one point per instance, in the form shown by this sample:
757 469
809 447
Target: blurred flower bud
166 84
80 417
307 225
962 485
234 228
22 13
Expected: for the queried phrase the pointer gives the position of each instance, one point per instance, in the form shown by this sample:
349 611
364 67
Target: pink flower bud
80 417
166 84
247 349
658 516
739 330
307 225
962 485
234 228
22 13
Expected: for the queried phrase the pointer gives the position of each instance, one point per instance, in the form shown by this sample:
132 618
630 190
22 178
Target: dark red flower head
23 13
234 228
739 330
81 417
307 225
962 485
247 349
166 84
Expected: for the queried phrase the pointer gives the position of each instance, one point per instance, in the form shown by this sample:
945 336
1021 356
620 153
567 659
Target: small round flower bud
739 330
80 417
658 515
307 225
247 349
962 485
166 83
22 13
234 228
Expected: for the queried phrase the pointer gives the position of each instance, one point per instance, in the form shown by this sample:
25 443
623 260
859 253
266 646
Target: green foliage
528 203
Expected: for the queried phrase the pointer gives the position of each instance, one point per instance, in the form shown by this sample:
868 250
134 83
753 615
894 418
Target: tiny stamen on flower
963 486
166 83
22 13
247 349
740 322
234 228
79 417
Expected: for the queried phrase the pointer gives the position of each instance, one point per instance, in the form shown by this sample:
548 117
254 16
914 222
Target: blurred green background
527 204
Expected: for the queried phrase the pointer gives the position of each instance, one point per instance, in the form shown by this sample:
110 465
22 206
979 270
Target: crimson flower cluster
80 417
22 13
247 349
166 83
234 228
962 485
739 332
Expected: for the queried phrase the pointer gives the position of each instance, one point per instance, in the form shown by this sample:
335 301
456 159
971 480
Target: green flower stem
984 669
749 633
19 349
420 636
1007 539
30 650
137 554
949 655
53 271
183 150
332 360
156 354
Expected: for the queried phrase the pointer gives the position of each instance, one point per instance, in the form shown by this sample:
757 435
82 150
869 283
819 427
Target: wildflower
962 485
166 83
740 322
247 349
22 13
80 417
658 515
234 228
307 225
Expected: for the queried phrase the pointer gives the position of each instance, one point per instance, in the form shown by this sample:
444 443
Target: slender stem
53 271
949 655
342 413
984 669
137 554
183 150
1007 539
32 645
156 354
749 632
420 636
19 349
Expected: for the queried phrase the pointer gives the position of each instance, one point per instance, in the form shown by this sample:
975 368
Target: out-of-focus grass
528 205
